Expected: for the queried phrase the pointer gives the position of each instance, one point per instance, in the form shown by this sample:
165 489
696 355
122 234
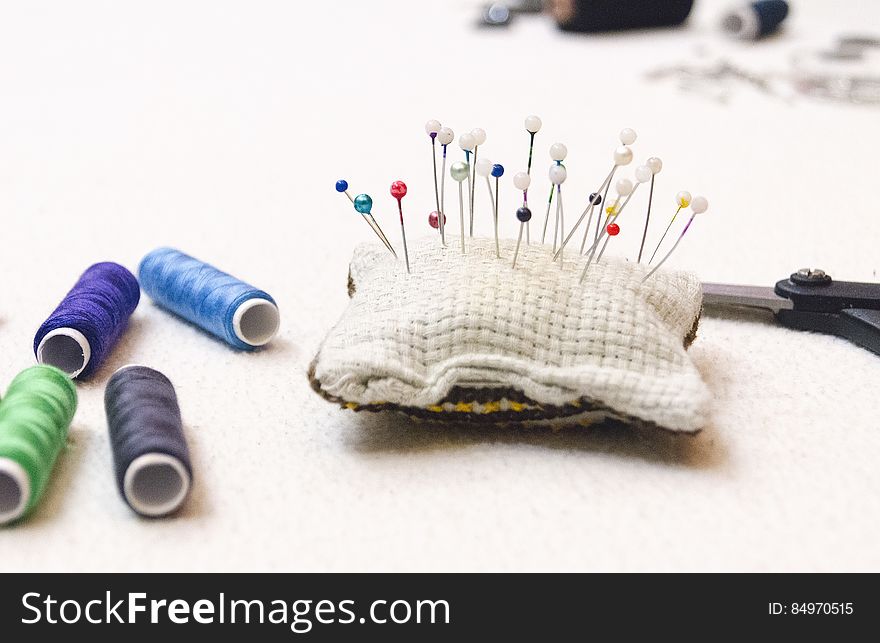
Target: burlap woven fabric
469 337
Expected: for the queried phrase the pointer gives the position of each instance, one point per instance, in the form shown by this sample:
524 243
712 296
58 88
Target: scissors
810 300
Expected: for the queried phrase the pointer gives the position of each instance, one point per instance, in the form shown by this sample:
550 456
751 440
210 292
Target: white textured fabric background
220 127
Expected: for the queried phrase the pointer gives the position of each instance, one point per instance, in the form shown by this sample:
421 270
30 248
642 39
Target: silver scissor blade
750 296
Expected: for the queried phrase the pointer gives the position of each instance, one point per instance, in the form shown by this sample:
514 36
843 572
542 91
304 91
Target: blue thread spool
755 20
239 314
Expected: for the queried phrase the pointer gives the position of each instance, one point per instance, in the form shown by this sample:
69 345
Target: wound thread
34 418
153 469
239 314
82 331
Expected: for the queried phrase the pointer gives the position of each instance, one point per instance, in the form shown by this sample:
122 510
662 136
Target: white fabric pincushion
466 337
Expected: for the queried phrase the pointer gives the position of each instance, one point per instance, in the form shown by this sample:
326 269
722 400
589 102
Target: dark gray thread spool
153 470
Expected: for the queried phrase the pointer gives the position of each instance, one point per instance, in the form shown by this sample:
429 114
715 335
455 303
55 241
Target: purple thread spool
80 333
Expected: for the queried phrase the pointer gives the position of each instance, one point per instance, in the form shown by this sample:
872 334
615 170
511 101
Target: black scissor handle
827 295
859 325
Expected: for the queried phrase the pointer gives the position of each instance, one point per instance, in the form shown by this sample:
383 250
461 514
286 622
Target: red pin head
398 190
613 229
434 219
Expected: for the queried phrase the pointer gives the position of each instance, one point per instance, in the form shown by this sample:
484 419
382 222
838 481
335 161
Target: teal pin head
363 203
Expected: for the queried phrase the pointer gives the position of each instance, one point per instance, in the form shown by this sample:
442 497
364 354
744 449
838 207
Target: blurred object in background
499 14
717 80
755 20
593 15
849 72
617 15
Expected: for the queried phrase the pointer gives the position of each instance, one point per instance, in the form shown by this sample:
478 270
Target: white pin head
467 142
624 187
459 171
655 164
699 204
623 155
484 167
558 152
558 174
521 181
533 124
432 127
628 136
479 135
683 199
643 174
445 136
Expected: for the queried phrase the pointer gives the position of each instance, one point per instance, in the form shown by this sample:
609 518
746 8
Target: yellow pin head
683 199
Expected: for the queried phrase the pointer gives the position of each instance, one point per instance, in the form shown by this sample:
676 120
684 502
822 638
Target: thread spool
228 308
755 20
82 331
150 455
593 16
34 419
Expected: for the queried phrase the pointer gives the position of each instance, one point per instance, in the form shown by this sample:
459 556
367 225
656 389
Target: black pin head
524 214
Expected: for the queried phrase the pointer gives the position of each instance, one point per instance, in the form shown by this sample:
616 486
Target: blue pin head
341 185
363 203
497 170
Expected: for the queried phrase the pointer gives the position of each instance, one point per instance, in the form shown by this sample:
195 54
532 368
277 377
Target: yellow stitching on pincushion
486 408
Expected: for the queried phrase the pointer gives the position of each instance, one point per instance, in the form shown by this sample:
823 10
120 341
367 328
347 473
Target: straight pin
643 174
467 144
521 181
445 136
558 174
547 215
699 205
479 136
533 126
398 191
497 172
558 152
655 165
459 172
432 127
622 156
342 186
363 204
683 200
524 215
484 169
624 188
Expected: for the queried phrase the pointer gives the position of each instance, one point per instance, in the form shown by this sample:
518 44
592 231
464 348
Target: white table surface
220 127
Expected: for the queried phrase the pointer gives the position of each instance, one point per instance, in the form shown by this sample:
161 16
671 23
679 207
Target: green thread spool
34 418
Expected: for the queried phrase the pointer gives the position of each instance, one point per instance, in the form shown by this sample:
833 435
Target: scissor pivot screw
811 277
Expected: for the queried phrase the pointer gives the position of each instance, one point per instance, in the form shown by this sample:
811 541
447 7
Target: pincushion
465 337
